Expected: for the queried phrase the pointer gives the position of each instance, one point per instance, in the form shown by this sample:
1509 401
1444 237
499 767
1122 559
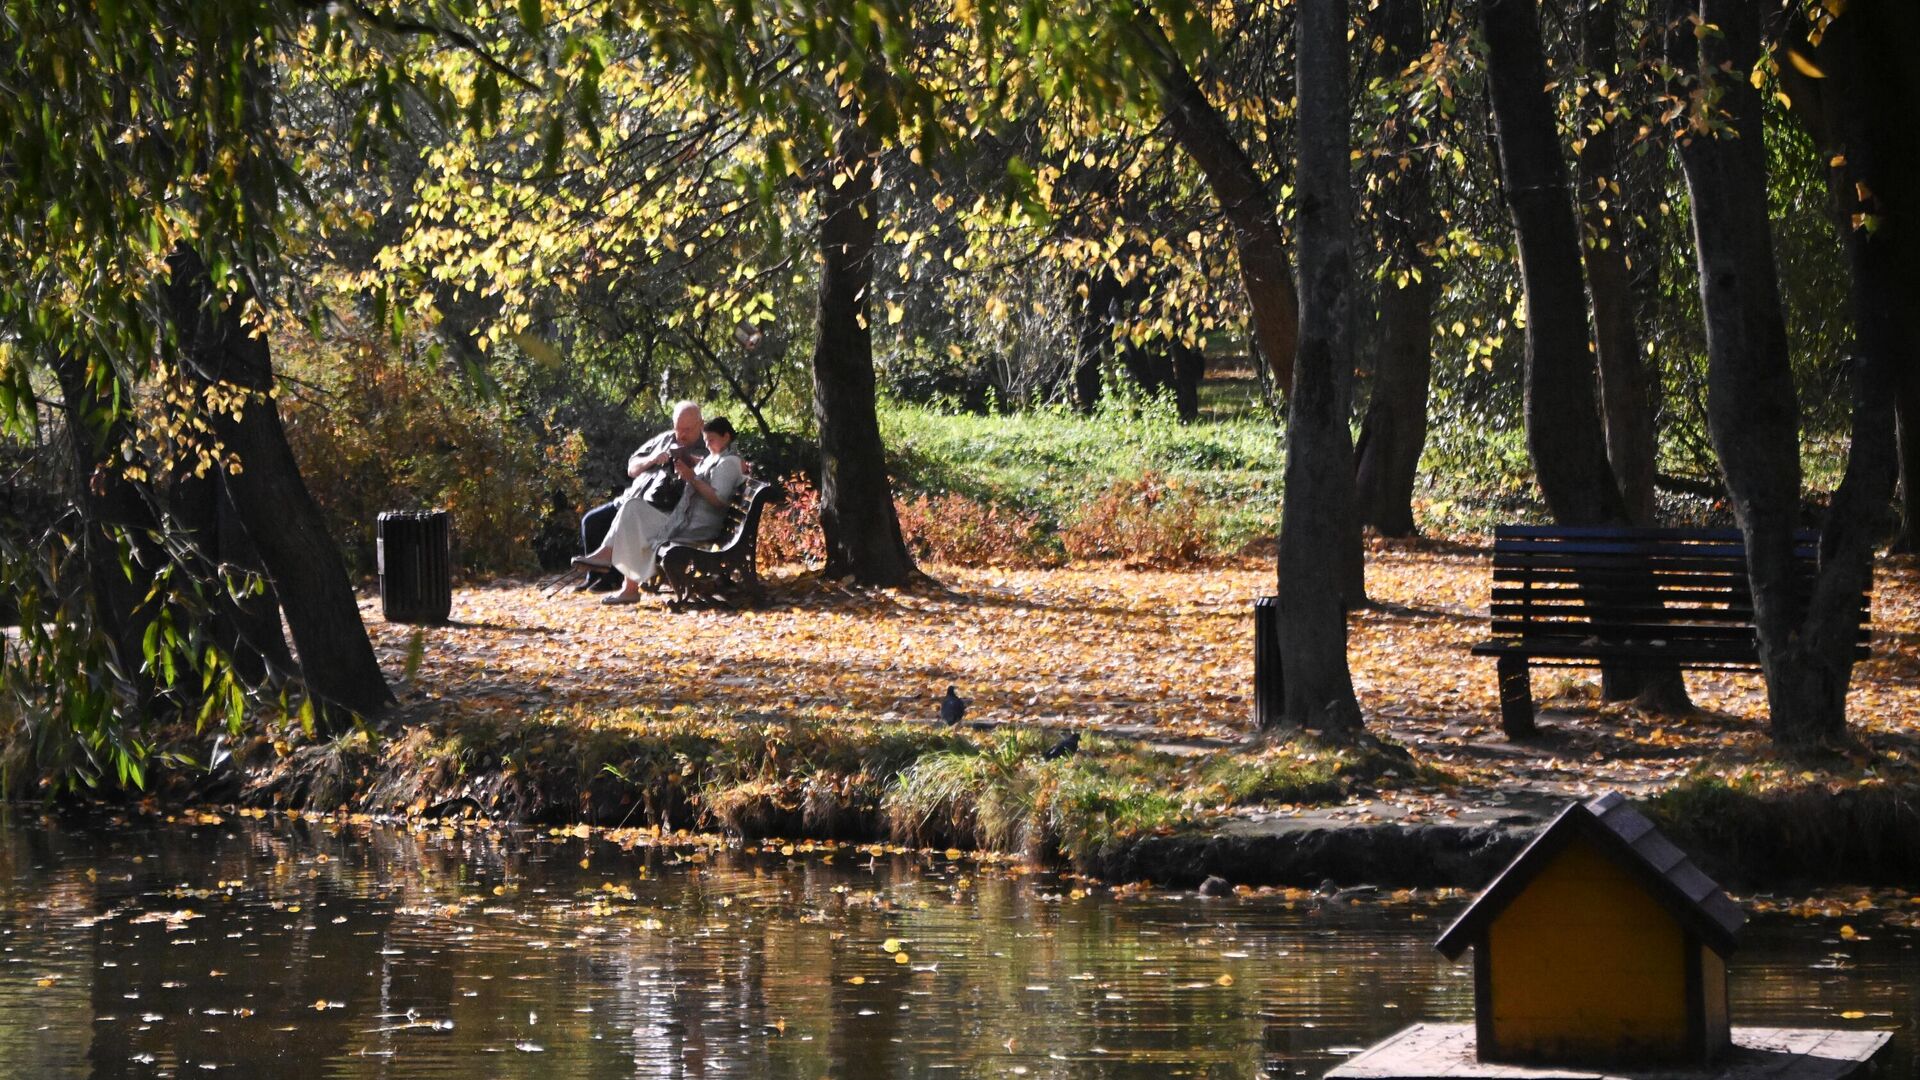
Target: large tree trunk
280 517
247 626
1250 210
856 499
1626 371
107 502
1752 415
1888 86
1394 431
1317 511
1562 416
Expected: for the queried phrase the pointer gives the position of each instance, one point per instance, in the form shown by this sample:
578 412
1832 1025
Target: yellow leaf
890 945
1803 65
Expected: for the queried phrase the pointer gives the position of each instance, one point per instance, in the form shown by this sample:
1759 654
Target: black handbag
663 494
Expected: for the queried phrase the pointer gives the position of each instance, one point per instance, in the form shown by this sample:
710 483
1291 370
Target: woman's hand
685 470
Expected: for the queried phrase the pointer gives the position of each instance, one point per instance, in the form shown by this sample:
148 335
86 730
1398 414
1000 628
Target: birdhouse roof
1624 835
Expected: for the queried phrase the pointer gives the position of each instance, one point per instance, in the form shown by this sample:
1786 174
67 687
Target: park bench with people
725 571
1566 596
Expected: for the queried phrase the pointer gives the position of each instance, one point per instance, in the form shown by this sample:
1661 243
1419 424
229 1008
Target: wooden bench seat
1579 596
725 571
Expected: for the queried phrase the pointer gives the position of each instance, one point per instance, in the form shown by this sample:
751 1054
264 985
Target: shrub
946 527
376 430
1147 521
790 528
952 528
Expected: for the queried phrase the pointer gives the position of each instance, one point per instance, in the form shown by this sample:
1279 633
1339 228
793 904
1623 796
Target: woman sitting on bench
639 529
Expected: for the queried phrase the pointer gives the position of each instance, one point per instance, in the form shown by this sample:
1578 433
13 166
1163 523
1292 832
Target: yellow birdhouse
1601 943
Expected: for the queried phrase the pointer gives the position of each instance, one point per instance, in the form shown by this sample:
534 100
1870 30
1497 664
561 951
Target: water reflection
326 948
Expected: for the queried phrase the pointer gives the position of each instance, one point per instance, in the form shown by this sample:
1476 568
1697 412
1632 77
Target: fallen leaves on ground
1166 656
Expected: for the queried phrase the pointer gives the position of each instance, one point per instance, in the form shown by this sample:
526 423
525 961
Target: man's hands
637 465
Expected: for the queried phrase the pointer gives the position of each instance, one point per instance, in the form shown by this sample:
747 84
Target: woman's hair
719 425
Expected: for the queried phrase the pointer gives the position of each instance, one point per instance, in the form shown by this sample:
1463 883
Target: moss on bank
1753 830
823 777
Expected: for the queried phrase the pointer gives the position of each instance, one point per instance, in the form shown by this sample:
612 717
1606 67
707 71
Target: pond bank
1294 813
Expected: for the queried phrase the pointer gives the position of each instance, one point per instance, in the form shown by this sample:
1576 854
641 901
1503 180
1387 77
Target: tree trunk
1906 539
1805 643
1317 511
1095 339
1626 371
1562 416
1189 371
107 501
1250 210
1832 118
856 498
248 627
1563 429
280 517
1394 431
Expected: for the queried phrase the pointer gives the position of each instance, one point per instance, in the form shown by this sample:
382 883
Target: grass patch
1053 461
820 776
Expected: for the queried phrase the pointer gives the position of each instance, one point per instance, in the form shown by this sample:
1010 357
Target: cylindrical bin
416 565
1269 693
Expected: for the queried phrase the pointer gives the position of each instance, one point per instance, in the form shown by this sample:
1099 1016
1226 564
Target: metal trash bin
1269 691
414 549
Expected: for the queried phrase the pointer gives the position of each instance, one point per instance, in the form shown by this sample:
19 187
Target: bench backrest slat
1686 588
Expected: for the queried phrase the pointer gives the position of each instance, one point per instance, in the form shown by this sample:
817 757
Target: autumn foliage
378 430
1149 521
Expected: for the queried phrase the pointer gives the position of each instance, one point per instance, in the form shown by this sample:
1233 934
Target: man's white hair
680 407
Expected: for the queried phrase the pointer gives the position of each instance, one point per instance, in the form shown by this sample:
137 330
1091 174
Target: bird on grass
1066 747
953 707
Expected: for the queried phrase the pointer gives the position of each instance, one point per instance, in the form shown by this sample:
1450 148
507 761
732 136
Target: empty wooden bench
725 571
1568 596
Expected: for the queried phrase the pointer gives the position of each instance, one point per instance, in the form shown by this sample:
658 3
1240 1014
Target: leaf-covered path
1167 655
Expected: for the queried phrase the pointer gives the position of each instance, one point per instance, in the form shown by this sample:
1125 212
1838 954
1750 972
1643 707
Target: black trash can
416 566
1269 692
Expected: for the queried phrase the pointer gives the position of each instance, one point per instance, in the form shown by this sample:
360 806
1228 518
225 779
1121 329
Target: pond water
229 946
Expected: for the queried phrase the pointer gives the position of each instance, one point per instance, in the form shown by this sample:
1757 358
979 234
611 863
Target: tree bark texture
106 501
1563 428
862 531
1094 352
280 517
248 628
1564 432
1317 512
1250 210
1627 375
1805 643
1394 431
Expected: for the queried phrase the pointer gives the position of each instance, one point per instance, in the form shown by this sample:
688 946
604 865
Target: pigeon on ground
1064 748
953 708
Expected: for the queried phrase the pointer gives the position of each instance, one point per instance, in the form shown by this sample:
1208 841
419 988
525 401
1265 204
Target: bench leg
1516 697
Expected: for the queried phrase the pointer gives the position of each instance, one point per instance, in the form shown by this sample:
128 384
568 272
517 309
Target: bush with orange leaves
945 528
1147 521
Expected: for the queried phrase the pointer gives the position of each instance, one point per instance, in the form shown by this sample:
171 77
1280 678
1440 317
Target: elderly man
653 479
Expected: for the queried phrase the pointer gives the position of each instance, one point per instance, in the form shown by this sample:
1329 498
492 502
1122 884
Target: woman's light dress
639 529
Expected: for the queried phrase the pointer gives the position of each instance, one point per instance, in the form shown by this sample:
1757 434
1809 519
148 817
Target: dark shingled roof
1624 835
